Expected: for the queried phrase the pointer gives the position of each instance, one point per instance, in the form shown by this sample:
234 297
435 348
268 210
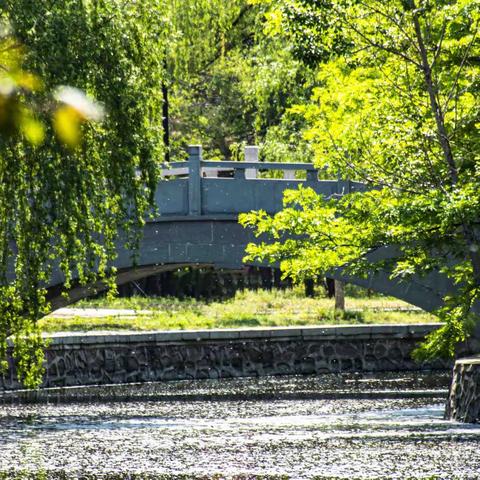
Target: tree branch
439 46
460 68
385 48
435 107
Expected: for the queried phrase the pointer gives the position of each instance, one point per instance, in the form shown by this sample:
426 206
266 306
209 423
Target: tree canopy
396 107
242 93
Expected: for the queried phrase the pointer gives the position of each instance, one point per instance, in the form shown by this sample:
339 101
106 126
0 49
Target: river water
328 427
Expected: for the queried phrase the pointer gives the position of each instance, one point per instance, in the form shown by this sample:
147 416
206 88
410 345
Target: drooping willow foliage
62 202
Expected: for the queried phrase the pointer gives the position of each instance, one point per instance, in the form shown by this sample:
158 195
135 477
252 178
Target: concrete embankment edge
113 358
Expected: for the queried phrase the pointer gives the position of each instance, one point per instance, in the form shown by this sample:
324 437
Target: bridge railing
247 169
205 187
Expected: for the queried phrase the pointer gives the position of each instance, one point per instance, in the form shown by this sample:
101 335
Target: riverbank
99 358
261 308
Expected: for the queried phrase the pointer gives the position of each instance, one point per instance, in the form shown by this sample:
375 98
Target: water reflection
239 433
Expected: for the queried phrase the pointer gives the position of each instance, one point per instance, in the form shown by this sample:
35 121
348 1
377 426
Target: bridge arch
220 243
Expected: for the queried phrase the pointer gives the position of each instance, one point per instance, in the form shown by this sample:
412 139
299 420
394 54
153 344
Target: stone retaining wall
93 359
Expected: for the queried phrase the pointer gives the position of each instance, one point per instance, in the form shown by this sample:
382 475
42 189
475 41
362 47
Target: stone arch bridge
199 202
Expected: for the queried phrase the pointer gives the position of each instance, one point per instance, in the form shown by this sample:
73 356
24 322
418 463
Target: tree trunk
469 234
339 296
166 121
309 285
434 105
330 287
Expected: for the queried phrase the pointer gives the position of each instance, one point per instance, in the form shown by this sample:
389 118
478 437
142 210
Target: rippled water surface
283 427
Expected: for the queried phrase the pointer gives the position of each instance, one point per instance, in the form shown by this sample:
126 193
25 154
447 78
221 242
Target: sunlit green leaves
74 109
17 116
397 107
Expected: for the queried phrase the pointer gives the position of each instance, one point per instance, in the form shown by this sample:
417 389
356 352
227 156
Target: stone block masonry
108 358
464 402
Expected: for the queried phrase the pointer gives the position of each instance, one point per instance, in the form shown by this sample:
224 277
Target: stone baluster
251 155
194 180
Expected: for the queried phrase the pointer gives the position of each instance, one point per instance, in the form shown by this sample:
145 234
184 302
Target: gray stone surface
96 359
464 400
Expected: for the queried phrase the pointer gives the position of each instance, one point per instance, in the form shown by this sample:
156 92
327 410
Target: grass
247 309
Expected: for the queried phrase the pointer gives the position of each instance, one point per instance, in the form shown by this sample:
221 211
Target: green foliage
243 95
317 233
205 107
397 107
199 32
16 116
316 33
272 308
62 201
